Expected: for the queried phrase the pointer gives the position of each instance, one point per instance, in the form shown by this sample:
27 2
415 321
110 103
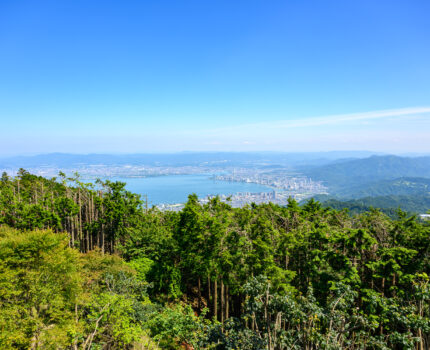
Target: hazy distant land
261 177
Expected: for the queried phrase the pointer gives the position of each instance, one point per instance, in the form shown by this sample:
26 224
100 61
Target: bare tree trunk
226 303
87 220
70 230
267 317
102 228
222 307
87 247
209 291
215 299
199 293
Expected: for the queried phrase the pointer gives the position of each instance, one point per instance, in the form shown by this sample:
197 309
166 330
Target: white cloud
328 120
406 129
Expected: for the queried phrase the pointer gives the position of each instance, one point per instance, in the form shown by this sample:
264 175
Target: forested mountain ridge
207 277
340 176
409 194
398 186
412 204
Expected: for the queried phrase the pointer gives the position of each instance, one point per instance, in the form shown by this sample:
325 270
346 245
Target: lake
171 189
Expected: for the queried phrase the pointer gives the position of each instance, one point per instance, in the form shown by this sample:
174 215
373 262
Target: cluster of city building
241 199
277 179
284 186
277 197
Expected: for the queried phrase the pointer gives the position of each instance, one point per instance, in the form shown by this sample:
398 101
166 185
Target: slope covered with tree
413 204
343 176
403 186
207 277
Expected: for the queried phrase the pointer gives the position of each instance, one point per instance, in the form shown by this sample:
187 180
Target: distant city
94 171
283 182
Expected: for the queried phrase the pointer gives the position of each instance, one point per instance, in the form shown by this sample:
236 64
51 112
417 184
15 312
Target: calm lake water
173 189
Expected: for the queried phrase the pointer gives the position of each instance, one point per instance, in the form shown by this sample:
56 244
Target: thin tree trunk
215 307
199 294
222 307
70 230
102 228
267 317
226 303
209 291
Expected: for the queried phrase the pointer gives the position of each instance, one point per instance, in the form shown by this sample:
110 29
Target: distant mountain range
385 182
246 159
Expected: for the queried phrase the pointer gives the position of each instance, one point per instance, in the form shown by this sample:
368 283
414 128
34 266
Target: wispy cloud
328 120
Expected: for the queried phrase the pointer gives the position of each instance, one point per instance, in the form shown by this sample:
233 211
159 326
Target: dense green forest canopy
389 205
90 267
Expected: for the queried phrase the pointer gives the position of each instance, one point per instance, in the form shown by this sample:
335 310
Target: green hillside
415 204
341 175
400 186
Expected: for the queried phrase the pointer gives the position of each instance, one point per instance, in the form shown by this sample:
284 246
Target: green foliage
389 205
93 217
207 277
39 285
142 266
177 325
52 298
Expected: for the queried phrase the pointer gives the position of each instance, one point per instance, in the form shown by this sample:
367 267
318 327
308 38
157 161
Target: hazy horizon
348 153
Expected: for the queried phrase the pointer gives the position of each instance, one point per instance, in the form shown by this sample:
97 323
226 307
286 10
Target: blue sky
160 76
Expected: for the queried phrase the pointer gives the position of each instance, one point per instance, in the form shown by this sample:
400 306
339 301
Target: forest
389 205
90 266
